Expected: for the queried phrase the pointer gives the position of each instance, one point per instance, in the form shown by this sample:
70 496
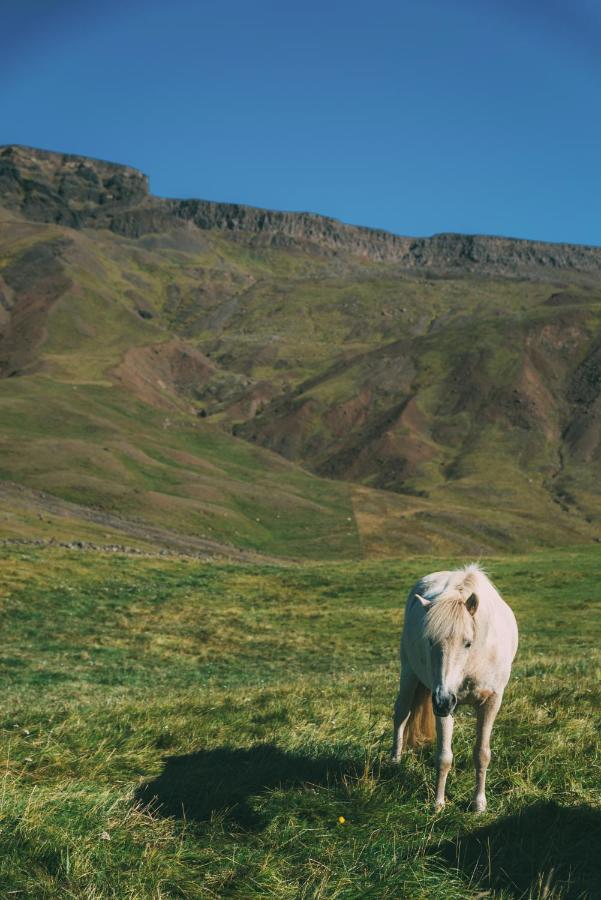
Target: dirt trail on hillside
161 538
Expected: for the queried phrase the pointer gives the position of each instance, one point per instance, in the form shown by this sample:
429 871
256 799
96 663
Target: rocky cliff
86 193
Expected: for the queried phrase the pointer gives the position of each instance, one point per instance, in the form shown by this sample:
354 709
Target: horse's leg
486 714
402 709
444 755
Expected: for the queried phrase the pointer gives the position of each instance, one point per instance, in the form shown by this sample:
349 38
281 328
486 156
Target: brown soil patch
32 284
165 375
253 401
349 415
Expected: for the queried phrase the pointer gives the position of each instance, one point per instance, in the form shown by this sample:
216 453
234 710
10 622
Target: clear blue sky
477 116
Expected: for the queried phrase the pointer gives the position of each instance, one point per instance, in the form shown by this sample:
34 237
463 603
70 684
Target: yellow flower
341 819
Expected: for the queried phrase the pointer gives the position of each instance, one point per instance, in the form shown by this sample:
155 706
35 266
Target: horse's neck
485 624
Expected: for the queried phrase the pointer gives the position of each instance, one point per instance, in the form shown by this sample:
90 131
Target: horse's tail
421 727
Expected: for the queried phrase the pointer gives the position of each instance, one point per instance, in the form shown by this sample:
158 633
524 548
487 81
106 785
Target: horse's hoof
478 806
395 758
439 805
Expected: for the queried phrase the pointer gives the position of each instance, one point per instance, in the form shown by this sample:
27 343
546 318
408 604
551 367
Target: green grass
172 728
98 446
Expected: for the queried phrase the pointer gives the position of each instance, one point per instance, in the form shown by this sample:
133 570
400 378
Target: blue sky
476 116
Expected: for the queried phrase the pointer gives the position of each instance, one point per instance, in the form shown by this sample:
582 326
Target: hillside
286 383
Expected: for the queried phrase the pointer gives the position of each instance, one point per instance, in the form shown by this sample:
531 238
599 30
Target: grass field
172 728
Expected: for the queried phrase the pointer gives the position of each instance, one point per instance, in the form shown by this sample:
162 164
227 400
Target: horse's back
431 586
506 624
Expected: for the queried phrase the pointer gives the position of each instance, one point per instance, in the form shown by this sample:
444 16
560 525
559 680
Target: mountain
286 383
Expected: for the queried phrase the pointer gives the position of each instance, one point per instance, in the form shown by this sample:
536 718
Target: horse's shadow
545 850
196 786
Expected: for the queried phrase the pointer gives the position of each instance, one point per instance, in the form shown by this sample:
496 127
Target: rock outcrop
86 193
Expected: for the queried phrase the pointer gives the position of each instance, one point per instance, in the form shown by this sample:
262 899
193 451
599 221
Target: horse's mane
448 610
447 614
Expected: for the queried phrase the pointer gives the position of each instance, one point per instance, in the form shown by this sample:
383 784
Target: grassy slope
487 393
254 704
284 318
71 431
98 446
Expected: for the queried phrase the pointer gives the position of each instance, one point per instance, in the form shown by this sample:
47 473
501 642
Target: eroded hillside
160 357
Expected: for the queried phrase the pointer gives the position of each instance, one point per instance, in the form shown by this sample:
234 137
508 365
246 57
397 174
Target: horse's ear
425 603
472 604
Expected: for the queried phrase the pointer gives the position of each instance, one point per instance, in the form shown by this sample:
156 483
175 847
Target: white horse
458 644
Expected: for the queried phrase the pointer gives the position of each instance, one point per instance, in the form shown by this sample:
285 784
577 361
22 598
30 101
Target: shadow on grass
222 780
547 850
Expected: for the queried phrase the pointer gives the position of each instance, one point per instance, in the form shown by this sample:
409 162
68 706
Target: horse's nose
443 702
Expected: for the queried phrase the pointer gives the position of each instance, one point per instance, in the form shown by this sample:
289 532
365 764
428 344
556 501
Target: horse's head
450 630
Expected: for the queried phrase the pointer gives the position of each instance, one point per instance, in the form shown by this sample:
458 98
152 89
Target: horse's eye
430 642
468 644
